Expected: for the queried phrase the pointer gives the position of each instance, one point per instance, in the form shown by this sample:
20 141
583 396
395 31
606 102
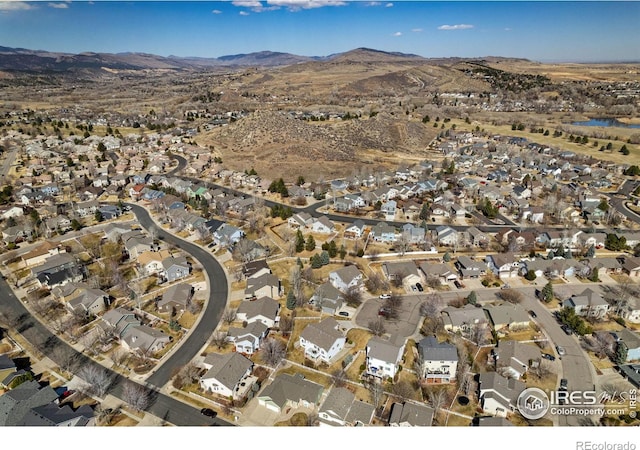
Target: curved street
162 406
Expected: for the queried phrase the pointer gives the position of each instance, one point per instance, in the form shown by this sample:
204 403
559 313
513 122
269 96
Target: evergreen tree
342 252
472 298
291 300
591 252
621 353
299 262
299 241
332 249
547 292
316 261
424 212
446 257
310 245
324 258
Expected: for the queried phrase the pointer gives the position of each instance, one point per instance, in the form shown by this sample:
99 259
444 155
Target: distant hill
21 59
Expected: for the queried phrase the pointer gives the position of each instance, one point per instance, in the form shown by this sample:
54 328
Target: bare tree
229 315
273 351
96 380
403 389
478 332
242 251
510 295
437 398
219 339
105 416
377 327
392 305
353 296
376 282
432 306
295 277
286 324
377 393
339 377
402 244
136 396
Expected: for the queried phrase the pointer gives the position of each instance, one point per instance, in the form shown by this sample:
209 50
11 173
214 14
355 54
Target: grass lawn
187 319
457 421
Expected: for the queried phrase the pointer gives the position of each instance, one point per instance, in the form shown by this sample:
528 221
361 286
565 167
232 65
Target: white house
383 357
226 373
439 360
323 340
345 278
588 304
498 395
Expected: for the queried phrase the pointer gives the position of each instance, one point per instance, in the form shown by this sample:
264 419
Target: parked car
419 287
213 244
343 313
567 329
208 412
457 284
561 351
383 312
385 296
548 356
505 286
532 313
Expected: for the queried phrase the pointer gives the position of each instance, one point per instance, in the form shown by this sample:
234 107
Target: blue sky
540 31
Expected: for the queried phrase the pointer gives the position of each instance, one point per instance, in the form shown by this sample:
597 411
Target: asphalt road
21 321
213 309
162 406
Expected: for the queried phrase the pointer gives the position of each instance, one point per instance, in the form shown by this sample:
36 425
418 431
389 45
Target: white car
385 296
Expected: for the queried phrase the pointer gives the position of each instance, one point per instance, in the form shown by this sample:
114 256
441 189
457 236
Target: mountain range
20 59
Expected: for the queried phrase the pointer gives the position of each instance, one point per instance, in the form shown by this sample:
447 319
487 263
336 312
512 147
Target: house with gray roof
248 339
226 373
384 356
341 408
438 360
322 341
176 297
588 304
470 268
290 391
30 404
407 414
507 316
327 298
345 278
7 370
513 359
442 271
227 235
355 230
462 320
264 309
631 341
404 271
136 243
383 232
175 268
266 285
89 301
119 320
144 339
498 395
